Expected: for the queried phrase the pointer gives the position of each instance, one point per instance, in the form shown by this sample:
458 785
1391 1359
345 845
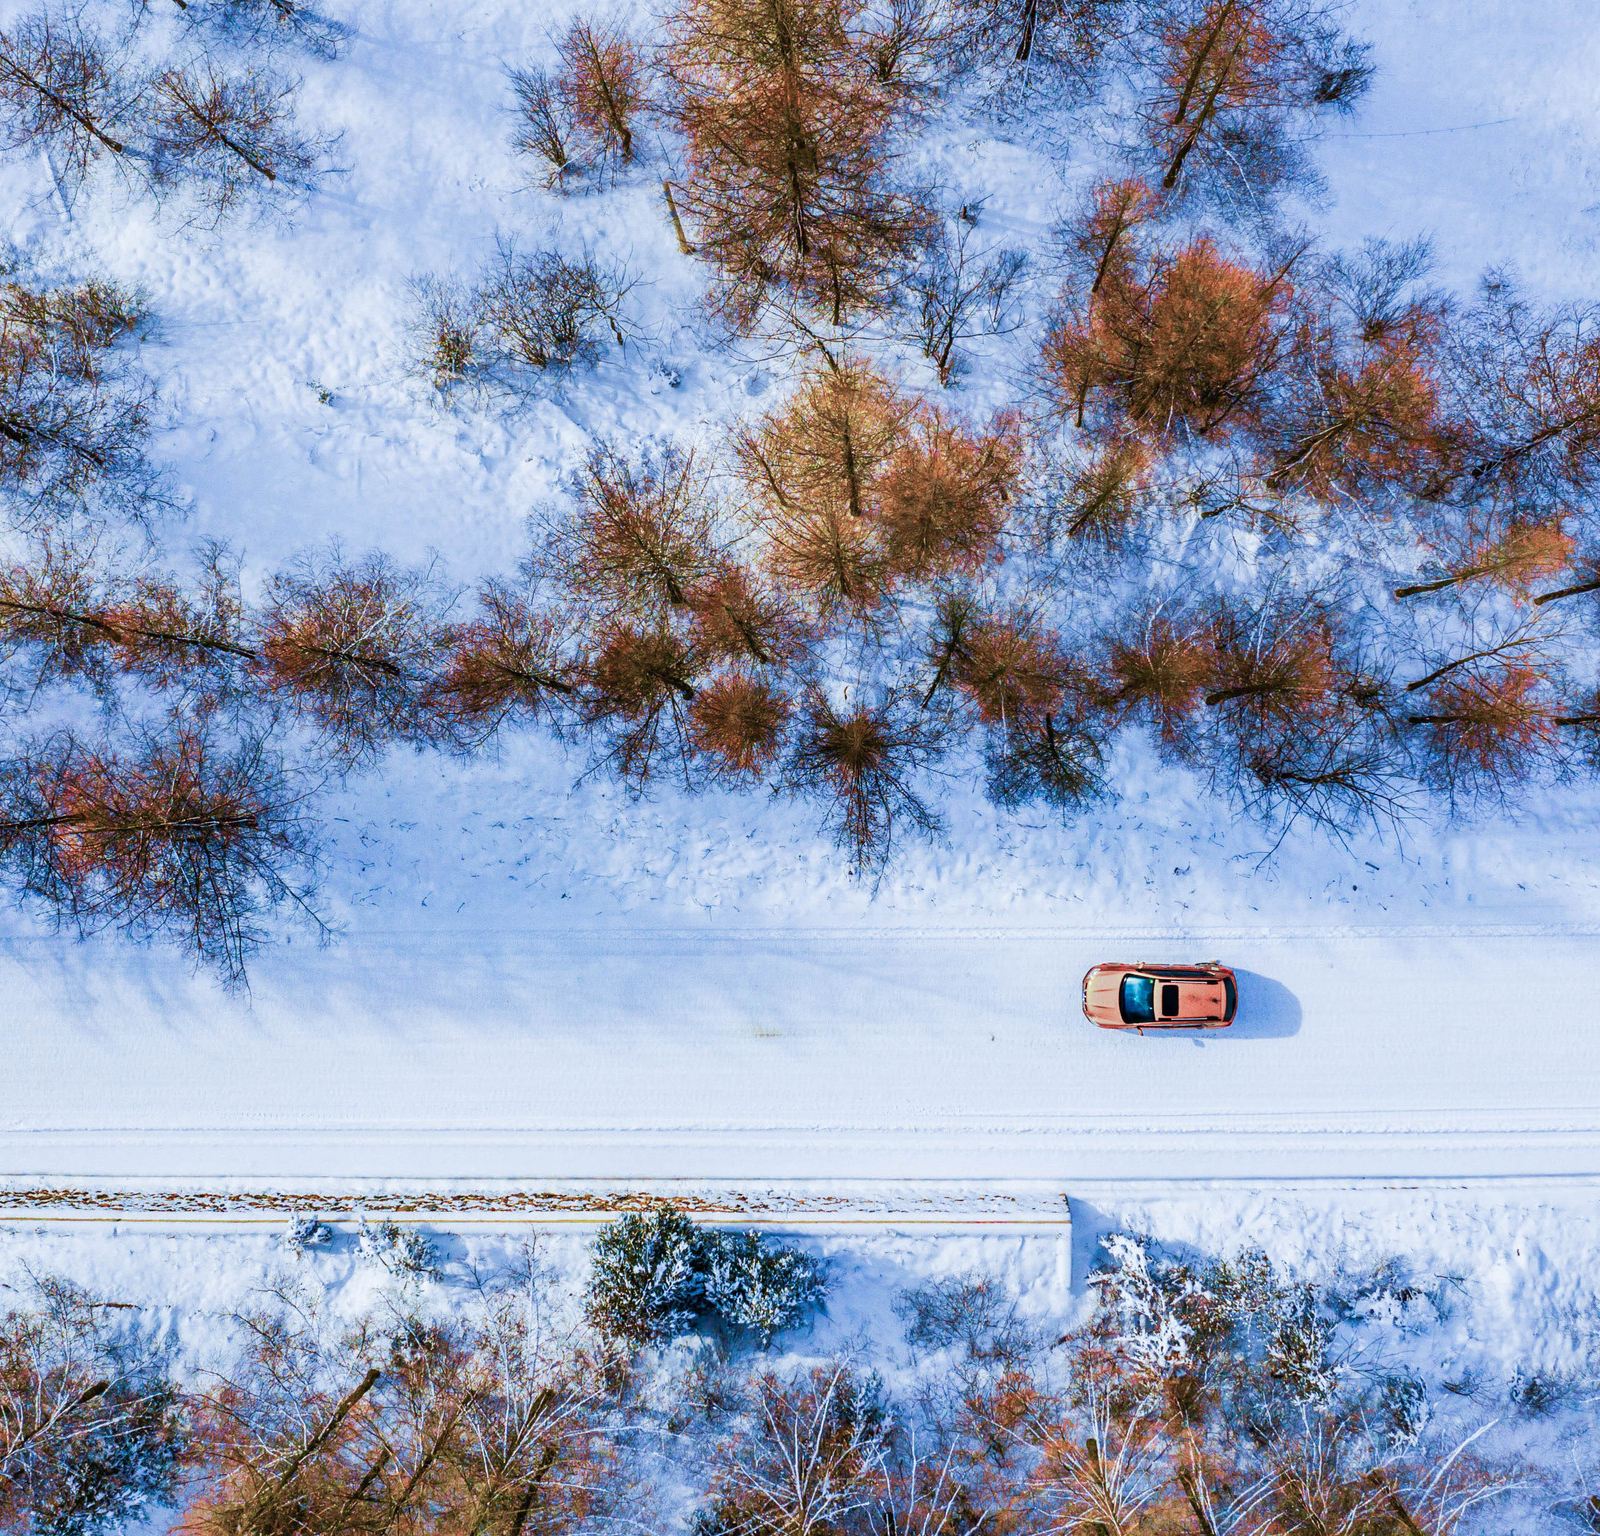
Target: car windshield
1138 1000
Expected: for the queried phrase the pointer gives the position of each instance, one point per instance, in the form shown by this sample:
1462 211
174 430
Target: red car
1142 997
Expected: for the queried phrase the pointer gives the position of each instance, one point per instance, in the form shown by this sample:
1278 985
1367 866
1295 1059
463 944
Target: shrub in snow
1537 1393
1142 1292
760 1287
1403 1401
647 1283
398 1250
973 1310
305 1232
1238 1316
1300 1347
656 1274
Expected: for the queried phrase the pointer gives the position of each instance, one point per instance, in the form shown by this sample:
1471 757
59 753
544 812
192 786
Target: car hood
1100 995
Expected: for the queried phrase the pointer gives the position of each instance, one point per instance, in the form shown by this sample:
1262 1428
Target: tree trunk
1454 579
342 1410
1572 591
677 223
67 109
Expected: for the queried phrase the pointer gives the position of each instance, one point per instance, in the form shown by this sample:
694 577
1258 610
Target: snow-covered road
750 1053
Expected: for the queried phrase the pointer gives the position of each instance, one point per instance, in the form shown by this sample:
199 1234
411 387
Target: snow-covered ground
531 978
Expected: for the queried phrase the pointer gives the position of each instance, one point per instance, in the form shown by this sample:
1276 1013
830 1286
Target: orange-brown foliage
944 496
1162 672
740 618
786 124
736 722
602 84
1011 669
1187 345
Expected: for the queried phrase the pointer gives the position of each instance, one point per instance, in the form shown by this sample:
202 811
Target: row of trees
1205 1397
824 610
219 127
792 116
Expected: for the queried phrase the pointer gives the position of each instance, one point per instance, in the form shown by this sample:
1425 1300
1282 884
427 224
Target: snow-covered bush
305 1232
401 1251
1300 1355
758 1286
1236 1321
1403 1401
656 1275
92 1431
1142 1291
1537 1393
647 1283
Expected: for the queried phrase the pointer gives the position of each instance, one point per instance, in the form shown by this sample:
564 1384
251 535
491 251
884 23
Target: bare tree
1097 499
1523 397
1109 1473
354 647
829 445
447 329
811 1462
1339 772
546 311
861 761
907 45
180 839
544 124
815 471
232 137
1008 666
1159 671
85 320
1074 37
1051 759
957 293
293 1435
743 619
269 20
1273 662
62 89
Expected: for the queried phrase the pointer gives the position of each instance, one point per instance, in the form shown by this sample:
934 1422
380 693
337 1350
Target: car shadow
1268 1010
